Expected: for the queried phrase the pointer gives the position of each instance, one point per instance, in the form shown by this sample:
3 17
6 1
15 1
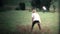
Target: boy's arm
32 19
40 20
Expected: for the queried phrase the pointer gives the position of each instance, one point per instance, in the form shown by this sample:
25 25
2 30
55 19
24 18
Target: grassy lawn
16 21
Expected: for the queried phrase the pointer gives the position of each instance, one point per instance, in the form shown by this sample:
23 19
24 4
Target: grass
17 21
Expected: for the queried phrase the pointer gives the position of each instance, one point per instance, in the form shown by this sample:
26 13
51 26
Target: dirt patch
27 30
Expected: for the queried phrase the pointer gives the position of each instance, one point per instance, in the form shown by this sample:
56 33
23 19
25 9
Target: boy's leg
32 25
39 26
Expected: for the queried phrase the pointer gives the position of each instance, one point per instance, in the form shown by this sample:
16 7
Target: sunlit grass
12 19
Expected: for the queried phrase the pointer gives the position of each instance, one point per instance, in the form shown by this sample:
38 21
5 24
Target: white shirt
36 17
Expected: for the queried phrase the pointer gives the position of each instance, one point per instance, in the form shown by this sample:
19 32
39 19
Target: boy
35 19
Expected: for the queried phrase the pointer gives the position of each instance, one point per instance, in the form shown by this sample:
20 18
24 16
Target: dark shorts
35 22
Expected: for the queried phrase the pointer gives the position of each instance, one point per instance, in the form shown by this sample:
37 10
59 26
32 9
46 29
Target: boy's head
34 10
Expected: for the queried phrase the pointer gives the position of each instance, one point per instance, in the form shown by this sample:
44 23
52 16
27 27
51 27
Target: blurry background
13 4
15 17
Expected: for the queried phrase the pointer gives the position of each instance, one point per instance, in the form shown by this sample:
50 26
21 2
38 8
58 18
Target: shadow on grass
25 30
